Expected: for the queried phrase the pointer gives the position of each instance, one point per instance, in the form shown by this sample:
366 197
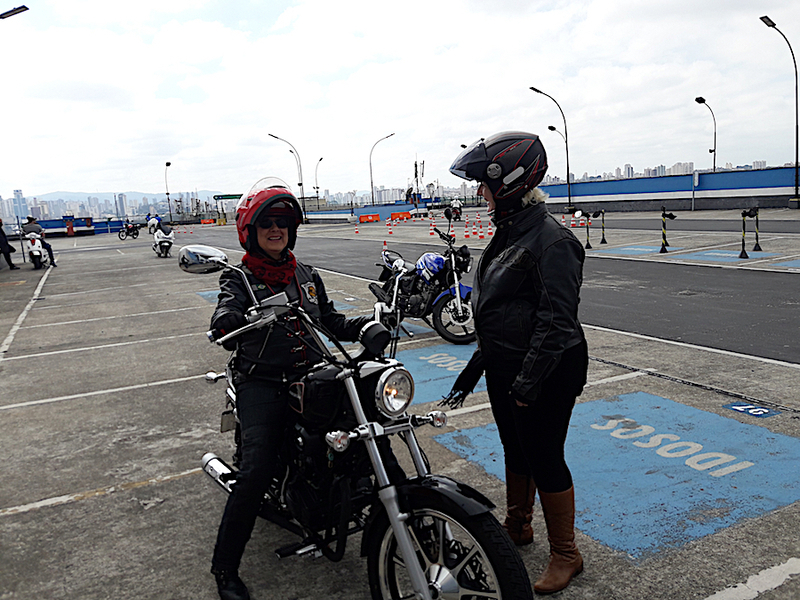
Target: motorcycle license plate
227 421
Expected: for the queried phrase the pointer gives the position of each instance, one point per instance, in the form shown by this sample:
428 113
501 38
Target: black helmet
509 163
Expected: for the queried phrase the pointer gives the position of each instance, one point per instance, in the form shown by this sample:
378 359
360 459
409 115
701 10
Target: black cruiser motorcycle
340 476
431 289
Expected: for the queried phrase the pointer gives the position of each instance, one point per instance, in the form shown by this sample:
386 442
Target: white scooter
163 239
36 251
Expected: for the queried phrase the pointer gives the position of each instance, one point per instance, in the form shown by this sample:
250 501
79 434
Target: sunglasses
267 223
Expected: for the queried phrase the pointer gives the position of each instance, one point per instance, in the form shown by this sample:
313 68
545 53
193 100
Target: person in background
267 361
530 342
33 227
5 248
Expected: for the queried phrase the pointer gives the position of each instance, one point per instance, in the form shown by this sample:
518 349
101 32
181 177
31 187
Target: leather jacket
275 353
526 295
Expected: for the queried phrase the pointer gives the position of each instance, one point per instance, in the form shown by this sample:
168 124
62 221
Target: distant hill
82 196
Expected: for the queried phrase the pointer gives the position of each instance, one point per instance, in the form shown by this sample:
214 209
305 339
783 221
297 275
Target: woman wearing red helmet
525 301
266 361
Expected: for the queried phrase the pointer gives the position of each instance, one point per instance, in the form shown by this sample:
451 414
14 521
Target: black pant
264 415
533 436
7 254
49 249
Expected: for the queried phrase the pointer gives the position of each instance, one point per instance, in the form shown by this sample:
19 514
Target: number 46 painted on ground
752 410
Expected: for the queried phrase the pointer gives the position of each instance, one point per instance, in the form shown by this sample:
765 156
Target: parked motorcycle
163 238
36 251
129 230
339 475
431 289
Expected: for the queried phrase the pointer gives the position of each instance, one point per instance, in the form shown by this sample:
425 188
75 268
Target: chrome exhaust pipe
219 471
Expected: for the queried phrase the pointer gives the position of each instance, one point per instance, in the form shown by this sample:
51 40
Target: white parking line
68 498
144 314
766 580
18 323
87 348
126 388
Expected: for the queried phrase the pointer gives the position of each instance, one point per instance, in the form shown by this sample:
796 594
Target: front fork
389 497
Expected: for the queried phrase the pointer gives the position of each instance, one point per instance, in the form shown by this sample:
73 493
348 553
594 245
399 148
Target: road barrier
664 216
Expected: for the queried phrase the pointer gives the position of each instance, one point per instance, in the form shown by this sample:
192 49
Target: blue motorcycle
429 289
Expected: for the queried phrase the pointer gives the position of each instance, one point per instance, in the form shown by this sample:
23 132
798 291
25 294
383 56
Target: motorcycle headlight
394 392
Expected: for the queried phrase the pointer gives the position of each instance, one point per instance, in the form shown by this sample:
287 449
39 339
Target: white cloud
99 96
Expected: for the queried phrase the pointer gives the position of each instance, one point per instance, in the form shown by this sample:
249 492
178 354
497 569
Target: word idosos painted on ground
435 369
651 473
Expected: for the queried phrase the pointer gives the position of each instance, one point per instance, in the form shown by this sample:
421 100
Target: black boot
230 587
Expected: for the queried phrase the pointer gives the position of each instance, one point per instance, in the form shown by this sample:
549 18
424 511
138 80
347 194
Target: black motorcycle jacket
526 294
275 353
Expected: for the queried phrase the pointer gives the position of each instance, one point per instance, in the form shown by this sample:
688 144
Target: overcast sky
96 96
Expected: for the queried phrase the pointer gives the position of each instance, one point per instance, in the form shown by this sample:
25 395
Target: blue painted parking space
653 474
435 369
210 296
792 264
723 255
632 250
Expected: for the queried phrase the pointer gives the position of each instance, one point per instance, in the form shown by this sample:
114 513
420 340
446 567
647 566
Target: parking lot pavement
684 458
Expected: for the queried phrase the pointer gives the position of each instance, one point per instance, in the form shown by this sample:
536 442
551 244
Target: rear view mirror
201 259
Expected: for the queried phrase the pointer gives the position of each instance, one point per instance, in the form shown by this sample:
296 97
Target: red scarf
270 271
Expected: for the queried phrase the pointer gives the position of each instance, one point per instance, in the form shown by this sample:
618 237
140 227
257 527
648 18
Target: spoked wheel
135 233
122 234
454 327
464 557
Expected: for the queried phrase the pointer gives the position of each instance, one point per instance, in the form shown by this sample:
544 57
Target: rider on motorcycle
267 360
33 227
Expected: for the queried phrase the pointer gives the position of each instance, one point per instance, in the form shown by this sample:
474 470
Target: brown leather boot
565 559
520 494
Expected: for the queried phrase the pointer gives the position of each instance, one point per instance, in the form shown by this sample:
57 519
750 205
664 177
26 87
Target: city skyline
102 97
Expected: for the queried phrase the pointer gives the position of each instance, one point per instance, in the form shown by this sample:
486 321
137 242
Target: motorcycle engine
419 298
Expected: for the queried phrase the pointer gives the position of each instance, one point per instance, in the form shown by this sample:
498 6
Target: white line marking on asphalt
155 312
18 323
477 407
120 251
766 580
109 289
769 361
161 339
68 498
126 388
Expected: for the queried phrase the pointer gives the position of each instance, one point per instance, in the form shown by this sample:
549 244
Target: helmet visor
472 161
261 185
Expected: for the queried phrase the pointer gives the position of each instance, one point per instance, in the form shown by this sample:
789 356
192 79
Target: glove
225 324
465 382
524 401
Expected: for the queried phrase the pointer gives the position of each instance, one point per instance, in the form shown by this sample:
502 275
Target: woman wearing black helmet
266 361
525 303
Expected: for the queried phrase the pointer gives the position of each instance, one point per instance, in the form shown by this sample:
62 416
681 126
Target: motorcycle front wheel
122 234
454 328
463 556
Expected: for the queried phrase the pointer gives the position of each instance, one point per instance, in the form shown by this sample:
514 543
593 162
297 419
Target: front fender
416 493
465 291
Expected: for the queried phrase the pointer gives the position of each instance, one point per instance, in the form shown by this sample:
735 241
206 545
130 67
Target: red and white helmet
269 196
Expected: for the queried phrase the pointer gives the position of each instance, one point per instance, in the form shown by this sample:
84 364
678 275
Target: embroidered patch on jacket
311 291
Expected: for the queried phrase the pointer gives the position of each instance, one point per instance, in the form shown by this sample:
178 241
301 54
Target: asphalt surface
105 416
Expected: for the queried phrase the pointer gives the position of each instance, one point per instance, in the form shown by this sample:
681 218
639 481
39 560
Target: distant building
628 171
759 164
20 205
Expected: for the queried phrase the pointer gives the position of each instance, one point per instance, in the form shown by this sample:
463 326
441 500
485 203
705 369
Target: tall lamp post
566 143
13 11
166 185
299 171
316 183
552 128
796 200
701 100
371 184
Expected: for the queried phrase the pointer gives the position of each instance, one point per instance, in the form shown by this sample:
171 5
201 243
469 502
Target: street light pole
371 184
566 143
770 23
701 100
13 11
299 171
166 185
552 128
316 183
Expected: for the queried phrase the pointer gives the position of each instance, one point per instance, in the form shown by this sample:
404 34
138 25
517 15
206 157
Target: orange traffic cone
572 221
480 233
490 228
384 245
356 226
431 232
563 221
466 228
